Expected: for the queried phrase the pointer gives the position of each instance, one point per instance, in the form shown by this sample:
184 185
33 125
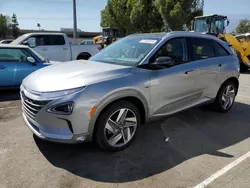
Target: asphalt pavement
193 148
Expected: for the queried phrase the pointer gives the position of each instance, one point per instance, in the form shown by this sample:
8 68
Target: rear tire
225 97
117 135
84 56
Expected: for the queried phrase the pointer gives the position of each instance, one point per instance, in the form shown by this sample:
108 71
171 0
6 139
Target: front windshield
20 39
210 25
127 51
201 25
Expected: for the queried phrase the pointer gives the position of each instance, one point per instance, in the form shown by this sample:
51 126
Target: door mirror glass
31 42
31 60
164 60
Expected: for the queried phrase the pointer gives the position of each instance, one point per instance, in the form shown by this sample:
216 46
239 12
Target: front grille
31 107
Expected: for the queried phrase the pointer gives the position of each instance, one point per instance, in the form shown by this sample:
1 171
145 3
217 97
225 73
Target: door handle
65 48
2 67
189 71
220 65
44 49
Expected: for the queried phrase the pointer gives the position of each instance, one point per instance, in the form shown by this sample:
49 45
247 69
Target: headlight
63 108
58 94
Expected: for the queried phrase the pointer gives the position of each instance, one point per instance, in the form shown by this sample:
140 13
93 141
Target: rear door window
200 48
220 50
57 40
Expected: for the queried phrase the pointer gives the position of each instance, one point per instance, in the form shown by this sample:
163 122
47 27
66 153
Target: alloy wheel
120 127
228 97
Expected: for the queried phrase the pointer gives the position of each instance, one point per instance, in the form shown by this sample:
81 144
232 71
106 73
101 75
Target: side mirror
164 60
31 60
228 22
25 43
32 42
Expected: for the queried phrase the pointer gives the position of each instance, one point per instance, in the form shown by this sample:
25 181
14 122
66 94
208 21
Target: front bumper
71 128
36 129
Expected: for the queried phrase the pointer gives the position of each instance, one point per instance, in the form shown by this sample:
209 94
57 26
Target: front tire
225 97
117 126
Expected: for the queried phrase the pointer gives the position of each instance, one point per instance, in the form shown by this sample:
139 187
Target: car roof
12 46
175 33
7 40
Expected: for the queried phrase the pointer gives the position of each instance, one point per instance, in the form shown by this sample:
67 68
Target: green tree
144 16
177 13
3 26
243 27
14 26
116 14
131 16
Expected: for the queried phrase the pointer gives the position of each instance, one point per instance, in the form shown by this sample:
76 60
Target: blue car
17 62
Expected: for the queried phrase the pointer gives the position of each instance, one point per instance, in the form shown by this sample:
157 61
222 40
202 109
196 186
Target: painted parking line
245 86
10 107
223 171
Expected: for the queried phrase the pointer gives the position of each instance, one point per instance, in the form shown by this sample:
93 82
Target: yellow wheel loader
215 25
109 35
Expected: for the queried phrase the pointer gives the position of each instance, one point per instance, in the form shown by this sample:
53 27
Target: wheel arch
234 80
83 55
134 97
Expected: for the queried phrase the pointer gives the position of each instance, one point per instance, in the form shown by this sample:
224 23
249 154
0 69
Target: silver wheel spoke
129 124
123 136
228 89
226 104
112 126
231 93
224 97
115 138
231 100
132 119
122 115
128 133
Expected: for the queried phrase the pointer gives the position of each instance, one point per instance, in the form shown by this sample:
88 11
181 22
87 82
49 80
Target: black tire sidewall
103 118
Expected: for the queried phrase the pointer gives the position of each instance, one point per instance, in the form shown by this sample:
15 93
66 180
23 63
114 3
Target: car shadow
159 146
9 95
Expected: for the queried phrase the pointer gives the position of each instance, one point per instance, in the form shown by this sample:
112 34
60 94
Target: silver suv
131 81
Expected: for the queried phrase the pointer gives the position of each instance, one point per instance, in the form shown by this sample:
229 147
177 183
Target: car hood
52 63
72 74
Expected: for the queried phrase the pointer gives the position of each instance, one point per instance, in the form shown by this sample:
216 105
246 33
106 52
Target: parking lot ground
179 151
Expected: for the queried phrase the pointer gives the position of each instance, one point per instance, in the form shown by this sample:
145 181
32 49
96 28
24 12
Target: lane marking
245 86
11 107
223 171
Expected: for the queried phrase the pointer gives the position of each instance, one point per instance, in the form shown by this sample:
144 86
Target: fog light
63 108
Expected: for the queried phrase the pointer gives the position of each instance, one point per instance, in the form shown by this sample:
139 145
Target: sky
56 14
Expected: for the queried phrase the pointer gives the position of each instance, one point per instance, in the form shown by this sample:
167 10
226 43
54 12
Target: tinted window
173 48
220 50
201 48
57 40
45 40
13 55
